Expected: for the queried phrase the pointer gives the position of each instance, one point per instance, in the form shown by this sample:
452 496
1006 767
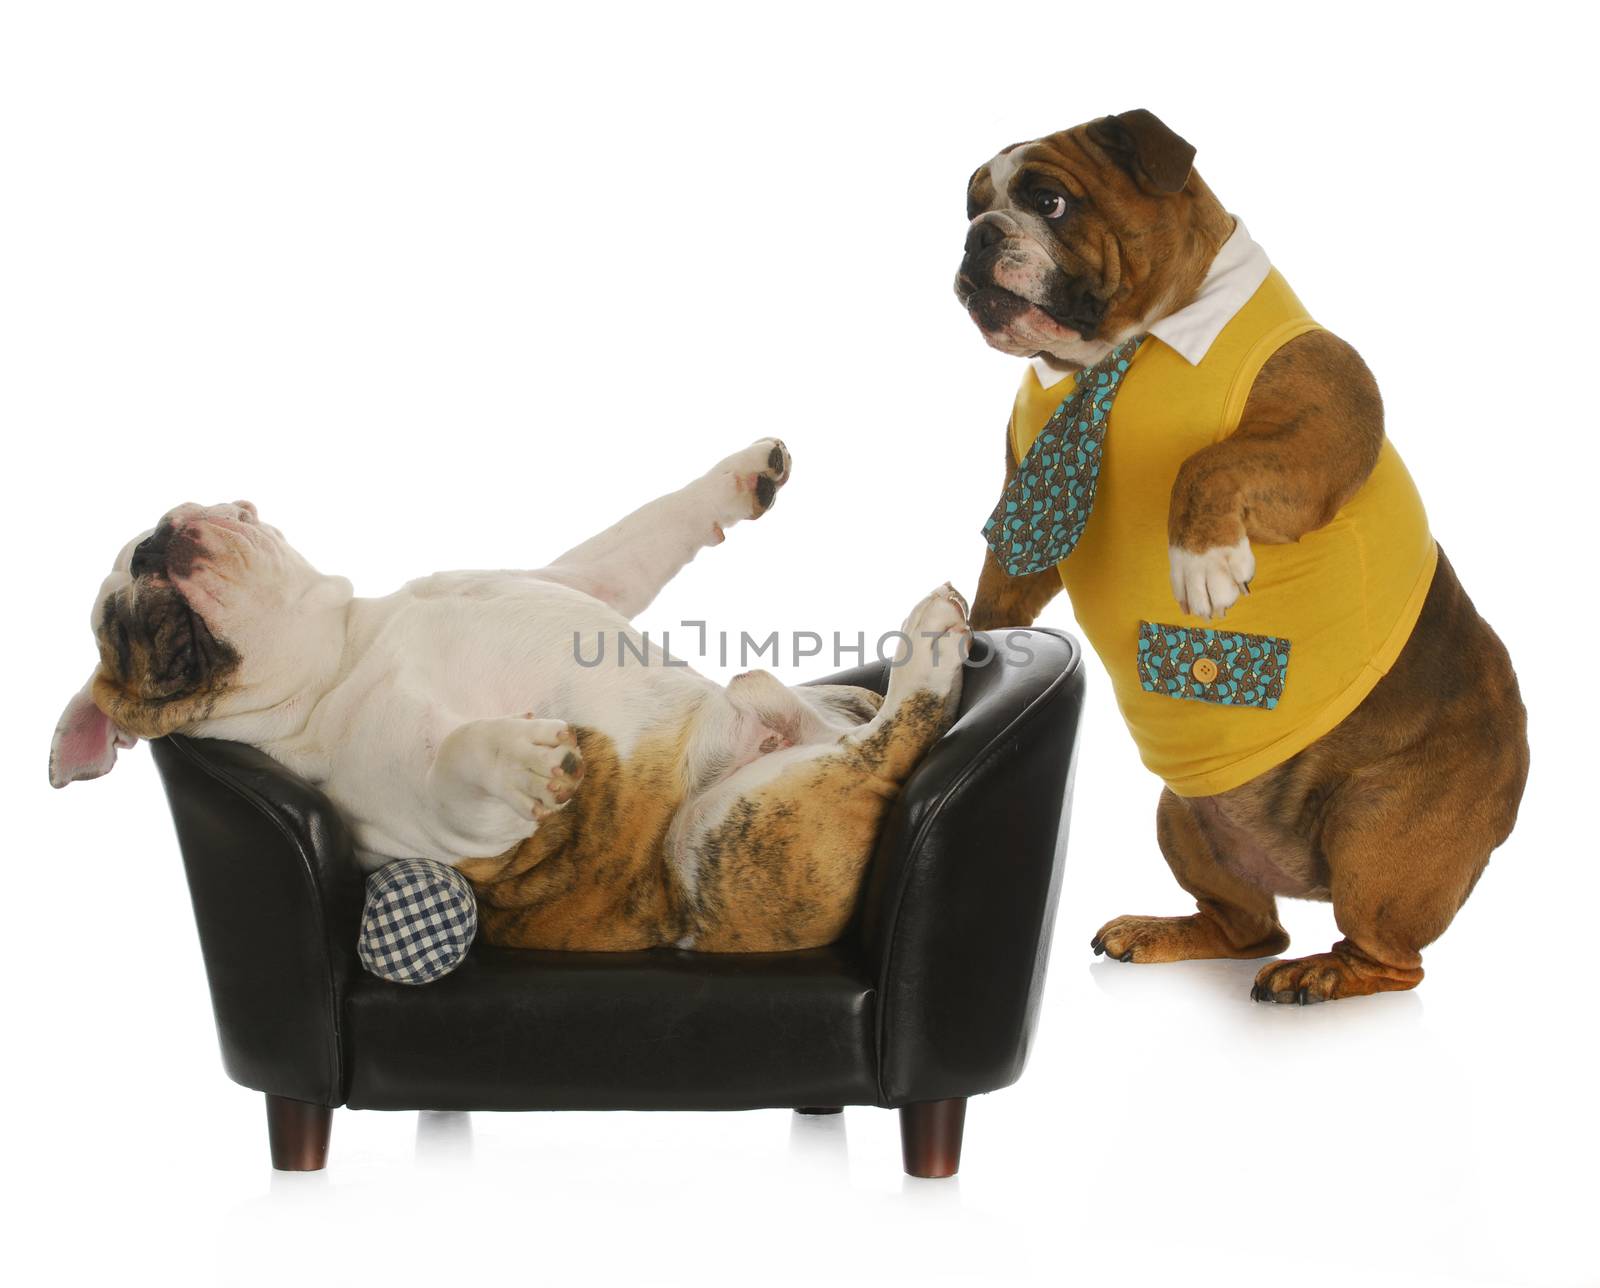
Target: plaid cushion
418 922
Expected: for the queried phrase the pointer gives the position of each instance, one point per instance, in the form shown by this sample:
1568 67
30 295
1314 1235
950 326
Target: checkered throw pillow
418 922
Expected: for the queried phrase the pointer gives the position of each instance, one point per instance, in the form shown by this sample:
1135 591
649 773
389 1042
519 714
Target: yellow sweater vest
1345 596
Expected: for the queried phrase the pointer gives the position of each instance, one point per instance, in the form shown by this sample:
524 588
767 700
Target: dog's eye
1052 205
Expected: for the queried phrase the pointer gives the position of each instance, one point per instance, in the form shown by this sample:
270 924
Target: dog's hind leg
772 858
627 565
1432 767
1404 849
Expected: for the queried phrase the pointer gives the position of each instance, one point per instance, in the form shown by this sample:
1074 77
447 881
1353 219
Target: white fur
1003 166
1209 582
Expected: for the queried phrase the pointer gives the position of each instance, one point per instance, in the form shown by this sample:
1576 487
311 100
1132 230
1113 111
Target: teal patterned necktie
1041 516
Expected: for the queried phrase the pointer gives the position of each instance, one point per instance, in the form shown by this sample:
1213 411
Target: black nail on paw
766 489
1127 956
775 459
1097 946
1303 997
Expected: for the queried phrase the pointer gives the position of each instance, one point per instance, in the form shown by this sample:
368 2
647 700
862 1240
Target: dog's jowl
1206 471
601 808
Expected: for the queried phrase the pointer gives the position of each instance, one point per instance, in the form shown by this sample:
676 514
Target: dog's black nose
983 235
150 555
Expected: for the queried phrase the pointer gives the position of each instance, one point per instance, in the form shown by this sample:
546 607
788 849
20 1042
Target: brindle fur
1308 438
1393 814
783 868
593 875
780 869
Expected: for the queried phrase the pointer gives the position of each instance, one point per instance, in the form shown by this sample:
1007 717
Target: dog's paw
538 764
496 778
932 651
1176 939
942 611
1322 977
1208 583
748 481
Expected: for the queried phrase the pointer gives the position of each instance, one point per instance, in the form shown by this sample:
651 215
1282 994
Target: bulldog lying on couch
593 807
1188 444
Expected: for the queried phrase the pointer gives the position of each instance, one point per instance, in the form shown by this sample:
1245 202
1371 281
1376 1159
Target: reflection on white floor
820 1144
444 1138
1168 1130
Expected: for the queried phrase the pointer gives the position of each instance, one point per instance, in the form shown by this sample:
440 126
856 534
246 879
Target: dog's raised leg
627 565
1235 919
1309 436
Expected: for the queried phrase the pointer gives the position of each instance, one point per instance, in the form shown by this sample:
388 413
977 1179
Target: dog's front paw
748 481
1207 583
536 765
496 779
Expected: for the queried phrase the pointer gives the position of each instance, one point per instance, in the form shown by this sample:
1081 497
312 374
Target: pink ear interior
85 743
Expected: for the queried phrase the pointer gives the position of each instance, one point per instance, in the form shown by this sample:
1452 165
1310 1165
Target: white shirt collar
1234 276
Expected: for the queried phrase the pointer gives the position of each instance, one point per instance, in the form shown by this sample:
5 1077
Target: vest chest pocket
1229 668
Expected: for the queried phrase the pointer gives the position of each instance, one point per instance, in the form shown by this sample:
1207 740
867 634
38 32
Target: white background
454 285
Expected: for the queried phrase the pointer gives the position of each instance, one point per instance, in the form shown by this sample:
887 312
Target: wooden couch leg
930 1136
298 1133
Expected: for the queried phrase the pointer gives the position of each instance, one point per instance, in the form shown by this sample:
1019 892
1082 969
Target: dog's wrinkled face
193 622
166 616
1080 240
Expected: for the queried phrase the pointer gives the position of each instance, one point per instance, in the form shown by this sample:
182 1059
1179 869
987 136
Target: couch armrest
277 898
958 906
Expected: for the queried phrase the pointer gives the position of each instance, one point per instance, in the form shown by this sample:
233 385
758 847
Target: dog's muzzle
150 555
169 551
1069 300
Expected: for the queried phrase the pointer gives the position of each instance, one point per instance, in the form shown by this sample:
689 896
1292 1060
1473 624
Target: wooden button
1204 670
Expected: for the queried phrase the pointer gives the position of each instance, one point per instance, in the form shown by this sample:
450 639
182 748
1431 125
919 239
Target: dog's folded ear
86 741
1143 146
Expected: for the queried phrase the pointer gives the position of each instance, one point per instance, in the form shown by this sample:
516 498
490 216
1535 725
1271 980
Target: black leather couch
929 998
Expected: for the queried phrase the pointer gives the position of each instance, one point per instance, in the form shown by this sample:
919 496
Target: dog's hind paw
932 645
1177 939
1322 977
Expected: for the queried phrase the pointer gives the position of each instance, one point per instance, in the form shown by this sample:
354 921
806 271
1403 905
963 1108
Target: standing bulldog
629 804
1188 446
